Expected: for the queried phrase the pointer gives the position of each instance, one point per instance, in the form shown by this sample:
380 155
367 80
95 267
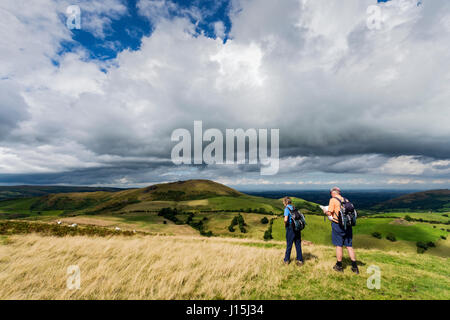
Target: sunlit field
185 267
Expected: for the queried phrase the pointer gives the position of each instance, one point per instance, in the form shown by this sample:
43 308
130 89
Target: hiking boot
355 270
338 268
286 262
299 263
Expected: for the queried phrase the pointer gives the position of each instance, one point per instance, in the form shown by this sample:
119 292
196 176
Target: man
292 236
339 236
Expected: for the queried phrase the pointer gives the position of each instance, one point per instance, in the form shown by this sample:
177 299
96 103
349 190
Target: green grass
416 215
316 230
415 232
17 205
245 202
403 277
319 232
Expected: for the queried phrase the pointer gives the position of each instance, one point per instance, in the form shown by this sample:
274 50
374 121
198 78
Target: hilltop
432 200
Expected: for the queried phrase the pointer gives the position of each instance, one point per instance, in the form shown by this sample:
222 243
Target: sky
360 95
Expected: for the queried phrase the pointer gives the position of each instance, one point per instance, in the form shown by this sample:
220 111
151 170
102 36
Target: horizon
266 188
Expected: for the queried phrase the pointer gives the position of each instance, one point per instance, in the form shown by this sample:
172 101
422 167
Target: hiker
292 236
340 236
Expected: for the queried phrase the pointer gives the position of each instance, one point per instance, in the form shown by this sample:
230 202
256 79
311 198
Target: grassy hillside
148 267
191 195
433 200
13 192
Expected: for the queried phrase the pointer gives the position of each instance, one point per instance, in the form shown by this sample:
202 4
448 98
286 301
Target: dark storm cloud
13 108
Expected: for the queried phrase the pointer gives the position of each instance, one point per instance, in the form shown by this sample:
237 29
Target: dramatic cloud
355 105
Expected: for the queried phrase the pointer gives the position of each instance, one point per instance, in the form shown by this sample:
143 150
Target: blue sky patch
126 32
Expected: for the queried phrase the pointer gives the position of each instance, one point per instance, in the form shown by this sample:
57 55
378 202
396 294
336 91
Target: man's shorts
341 237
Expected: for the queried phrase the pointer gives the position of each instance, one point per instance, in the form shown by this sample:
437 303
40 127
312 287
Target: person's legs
338 241
348 242
298 246
351 253
289 242
339 254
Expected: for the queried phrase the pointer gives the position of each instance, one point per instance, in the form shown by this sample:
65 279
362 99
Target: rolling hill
187 196
14 192
433 200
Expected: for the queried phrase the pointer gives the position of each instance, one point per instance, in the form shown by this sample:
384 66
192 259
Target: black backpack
298 219
347 214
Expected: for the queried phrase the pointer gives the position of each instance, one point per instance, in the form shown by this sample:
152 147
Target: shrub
240 220
443 238
268 235
376 235
190 218
231 229
408 218
264 220
170 214
445 215
165 222
420 250
206 234
431 244
391 237
421 245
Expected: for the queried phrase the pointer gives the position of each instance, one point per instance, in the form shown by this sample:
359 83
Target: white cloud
347 100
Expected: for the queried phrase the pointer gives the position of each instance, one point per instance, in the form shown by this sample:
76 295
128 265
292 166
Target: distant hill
14 192
362 199
432 200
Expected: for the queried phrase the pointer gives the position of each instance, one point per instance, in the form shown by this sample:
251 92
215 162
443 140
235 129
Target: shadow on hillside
309 256
348 262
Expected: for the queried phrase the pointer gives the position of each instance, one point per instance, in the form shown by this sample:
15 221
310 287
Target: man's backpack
298 219
347 214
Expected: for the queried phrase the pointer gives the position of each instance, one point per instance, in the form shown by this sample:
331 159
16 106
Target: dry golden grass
155 227
183 267
34 267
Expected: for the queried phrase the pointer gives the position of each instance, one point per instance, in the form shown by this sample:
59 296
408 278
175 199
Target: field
407 234
160 267
128 247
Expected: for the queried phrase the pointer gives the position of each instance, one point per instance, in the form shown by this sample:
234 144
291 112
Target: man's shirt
335 207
